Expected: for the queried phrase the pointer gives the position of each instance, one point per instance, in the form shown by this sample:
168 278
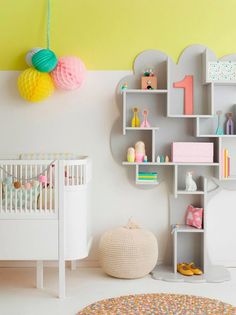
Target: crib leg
39 274
73 265
61 293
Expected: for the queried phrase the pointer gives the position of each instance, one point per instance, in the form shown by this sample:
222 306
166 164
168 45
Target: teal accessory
44 60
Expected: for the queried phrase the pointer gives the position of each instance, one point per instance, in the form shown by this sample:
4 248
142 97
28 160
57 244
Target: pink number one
187 85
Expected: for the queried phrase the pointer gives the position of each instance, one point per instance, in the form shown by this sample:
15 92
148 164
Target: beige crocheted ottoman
128 252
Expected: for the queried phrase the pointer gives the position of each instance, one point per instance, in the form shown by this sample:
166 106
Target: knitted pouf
128 252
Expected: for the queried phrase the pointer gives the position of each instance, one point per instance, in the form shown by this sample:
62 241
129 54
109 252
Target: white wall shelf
166 110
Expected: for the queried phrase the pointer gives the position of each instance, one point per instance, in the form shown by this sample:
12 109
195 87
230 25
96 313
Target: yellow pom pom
34 86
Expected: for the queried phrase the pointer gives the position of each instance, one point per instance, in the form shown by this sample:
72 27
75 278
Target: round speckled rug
159 304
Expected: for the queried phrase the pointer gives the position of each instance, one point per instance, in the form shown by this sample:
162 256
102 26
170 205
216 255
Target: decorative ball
35 86
29 55
42 179
128 252
8 180
44 60
69 73
35 184
28 185
17 185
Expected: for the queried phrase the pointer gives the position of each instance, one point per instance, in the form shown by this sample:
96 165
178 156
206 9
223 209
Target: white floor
18 295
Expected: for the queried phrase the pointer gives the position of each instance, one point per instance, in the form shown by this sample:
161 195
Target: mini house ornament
148 80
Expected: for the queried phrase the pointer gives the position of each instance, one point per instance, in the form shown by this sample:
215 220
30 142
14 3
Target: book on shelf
225 163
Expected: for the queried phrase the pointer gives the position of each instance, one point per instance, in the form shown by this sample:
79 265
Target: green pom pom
44 60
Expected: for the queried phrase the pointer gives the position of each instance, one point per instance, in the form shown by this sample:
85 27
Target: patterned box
221 71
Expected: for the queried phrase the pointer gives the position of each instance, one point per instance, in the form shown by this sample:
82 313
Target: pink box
196 152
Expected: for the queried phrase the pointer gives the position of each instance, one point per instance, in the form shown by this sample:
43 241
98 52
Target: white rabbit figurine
189 182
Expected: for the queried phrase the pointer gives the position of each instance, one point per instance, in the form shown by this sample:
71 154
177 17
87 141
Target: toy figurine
229 124
148 80
124 86
145 123
158 159
139 152
162 159
148 72
135 120
167 159
145 159
190 184
219 130
131 155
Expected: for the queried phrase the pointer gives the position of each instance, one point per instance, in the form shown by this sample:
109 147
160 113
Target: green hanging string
48 24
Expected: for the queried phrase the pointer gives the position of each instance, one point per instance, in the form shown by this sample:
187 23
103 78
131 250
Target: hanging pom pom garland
69 73
35 84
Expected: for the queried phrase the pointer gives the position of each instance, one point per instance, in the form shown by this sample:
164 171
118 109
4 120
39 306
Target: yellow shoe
184 270
194 269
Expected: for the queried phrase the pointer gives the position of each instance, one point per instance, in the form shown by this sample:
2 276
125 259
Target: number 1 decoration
187 85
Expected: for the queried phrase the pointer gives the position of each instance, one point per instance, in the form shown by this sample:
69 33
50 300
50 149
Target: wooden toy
135 120
167 159
145 123
219 130
162 159
124 86
131 155
145 158
190 184
187 85
148 80
229 124
158 159
139 152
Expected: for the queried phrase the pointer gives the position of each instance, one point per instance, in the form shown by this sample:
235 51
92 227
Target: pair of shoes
189 269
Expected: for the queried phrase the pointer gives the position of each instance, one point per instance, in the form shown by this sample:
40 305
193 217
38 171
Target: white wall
81 121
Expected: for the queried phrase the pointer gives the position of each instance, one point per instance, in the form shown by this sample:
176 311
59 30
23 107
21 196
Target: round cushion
128 252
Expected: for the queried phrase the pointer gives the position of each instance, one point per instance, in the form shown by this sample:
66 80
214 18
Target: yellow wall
108 34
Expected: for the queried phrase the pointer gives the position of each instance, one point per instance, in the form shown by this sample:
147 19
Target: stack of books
147 177
225 163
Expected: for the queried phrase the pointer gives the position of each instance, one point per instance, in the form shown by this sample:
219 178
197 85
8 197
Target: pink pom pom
42 179
27 186
69 73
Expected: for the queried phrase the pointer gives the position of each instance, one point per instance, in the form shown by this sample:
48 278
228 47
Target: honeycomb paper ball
44 60
29 55
34 86
69 73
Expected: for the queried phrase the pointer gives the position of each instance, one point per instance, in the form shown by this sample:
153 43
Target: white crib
43 210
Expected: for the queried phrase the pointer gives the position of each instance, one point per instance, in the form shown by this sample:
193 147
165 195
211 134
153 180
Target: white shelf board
169 163
184 192
216 136
142 128
147 182
187 229
189 116
221 82
140 91
233 177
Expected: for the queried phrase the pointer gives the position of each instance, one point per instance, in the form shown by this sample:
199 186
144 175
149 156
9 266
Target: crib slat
31 190
40 190
45 191
25 170
50 188
16 190
10 171
35 188
21 191
1 188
